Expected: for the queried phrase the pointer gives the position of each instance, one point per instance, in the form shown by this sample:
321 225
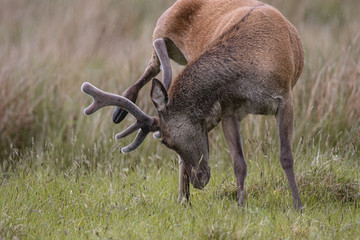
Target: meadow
62 175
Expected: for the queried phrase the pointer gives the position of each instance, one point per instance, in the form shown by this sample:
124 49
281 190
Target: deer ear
159 95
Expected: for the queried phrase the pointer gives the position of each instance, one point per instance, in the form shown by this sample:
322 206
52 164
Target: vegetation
62 174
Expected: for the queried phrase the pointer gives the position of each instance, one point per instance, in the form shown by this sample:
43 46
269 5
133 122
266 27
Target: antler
144 123
160 48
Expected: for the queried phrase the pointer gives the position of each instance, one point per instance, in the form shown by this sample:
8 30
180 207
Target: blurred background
48 48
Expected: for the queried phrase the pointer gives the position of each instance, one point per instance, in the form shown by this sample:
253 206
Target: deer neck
198 92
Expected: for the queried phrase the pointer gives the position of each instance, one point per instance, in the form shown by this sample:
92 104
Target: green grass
139 202
62 175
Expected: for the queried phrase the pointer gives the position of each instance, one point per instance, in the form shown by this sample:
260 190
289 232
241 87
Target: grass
62 175
140 203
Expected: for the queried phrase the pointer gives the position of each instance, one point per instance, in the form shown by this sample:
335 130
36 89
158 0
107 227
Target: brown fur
192 25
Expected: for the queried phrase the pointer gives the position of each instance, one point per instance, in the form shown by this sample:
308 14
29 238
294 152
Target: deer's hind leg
231 129
284 118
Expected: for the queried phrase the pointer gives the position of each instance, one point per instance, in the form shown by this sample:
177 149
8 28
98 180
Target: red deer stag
242 57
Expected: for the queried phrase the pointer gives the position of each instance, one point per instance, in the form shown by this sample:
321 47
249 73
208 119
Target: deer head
176 129
178 132
181 133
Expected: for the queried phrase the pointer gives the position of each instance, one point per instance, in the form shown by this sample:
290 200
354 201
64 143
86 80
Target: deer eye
164 142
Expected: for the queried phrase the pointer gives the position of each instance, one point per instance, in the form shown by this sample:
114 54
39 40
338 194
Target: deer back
190 26
259 53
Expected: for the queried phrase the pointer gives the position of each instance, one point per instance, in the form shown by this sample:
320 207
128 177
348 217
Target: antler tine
128 131
137 141
160 48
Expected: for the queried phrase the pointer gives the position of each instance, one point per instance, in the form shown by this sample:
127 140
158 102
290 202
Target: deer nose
200 179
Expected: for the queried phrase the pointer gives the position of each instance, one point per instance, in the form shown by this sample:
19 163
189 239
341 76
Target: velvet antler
144 122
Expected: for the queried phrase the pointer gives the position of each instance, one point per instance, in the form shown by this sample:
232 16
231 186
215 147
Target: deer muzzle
199 179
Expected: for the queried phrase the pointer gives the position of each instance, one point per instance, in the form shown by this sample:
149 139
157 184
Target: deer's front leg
231 129
184 184
132 92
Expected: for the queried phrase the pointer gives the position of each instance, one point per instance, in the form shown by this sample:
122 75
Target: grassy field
62 175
